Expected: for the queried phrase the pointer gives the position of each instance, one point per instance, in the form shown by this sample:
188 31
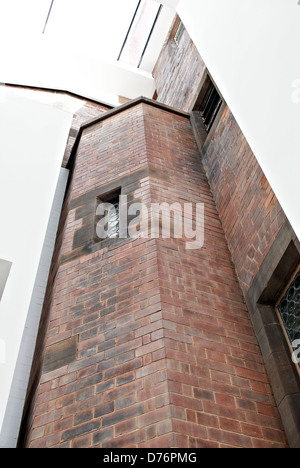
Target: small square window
208 104
289 310
108 216
177 30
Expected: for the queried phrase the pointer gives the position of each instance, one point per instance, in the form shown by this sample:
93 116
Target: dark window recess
210 107
289 310
175 28
179 33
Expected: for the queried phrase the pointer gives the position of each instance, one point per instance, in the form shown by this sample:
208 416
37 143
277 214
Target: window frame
290 344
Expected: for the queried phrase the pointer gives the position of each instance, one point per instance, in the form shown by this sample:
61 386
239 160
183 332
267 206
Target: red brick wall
250 212
218 386
148 344
178 73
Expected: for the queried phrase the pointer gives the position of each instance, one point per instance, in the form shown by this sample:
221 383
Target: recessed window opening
177 30
140 32
179 33
113 221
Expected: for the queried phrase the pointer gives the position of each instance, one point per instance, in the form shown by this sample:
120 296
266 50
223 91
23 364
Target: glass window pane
113 221
289 309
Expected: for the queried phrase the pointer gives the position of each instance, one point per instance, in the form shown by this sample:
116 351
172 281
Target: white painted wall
251 48
33 137
17 395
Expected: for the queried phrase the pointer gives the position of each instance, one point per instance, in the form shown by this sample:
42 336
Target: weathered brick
60 354
133 439
104 409
230 425
82 442
154 416
120 416
252 431
194 430
230 439
126 401
80 430
83 417
186 402
225 400
125 379
103 435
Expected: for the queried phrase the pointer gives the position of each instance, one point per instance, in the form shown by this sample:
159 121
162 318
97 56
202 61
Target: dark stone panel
60 354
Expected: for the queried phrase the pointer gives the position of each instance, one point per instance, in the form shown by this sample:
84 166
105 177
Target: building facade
145 342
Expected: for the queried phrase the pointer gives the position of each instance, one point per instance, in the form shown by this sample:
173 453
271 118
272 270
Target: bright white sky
73 24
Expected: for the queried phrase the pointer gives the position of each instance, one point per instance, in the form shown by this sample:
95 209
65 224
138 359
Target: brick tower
143 342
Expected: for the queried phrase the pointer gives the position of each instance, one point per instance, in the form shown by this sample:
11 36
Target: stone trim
262 297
